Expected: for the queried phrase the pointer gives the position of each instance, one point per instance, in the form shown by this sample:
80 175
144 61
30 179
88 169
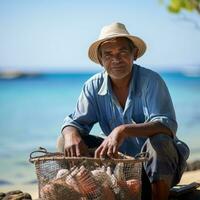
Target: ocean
32 110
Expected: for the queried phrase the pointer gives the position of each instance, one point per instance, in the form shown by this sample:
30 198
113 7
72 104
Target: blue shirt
148 100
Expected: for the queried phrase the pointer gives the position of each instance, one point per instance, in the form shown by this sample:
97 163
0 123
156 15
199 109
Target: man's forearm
70 130
145 129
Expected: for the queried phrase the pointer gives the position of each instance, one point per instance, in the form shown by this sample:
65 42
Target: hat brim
93 49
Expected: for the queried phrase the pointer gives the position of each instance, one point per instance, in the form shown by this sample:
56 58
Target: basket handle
144 155
41 150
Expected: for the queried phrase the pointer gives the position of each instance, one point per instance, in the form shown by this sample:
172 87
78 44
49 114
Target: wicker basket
48 164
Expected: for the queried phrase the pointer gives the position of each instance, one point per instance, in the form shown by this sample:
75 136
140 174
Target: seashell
59 190
90 187
119 171
124 192
61 173
119 185
71 180
108 193
108 171
74 171
83 182
47 191
134 187
114 186
101 177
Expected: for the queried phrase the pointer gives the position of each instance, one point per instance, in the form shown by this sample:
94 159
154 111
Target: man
133 107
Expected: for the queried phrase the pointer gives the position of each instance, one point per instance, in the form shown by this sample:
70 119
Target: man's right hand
74 146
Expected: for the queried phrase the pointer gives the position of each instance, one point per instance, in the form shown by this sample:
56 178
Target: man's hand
110 145
74 146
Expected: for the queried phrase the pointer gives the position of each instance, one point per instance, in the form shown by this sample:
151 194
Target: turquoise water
32 110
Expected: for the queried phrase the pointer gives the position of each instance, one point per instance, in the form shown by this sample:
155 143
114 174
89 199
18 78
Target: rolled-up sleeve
84 116
159 104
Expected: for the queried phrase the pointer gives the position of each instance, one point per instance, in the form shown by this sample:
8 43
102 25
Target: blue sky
53 35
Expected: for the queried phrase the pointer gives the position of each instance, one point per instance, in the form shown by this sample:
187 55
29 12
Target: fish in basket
86 178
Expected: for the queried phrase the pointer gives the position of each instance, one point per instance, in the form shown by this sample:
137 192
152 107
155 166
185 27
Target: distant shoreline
16 74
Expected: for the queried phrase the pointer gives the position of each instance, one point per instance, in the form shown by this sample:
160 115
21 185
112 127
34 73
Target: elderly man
133 108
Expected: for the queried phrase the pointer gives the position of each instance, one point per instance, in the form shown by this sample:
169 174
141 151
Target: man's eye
124 52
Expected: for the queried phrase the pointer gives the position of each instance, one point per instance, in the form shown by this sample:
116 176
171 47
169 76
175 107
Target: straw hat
112 31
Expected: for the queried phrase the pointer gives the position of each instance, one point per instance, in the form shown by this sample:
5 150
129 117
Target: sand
191 176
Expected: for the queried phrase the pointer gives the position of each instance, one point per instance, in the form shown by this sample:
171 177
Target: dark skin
74 146
117 58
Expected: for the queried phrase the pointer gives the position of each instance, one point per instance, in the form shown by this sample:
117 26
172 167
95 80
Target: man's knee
162 144
60 143
163 158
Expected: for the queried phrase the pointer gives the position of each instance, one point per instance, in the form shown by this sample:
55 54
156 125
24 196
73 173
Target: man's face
117 57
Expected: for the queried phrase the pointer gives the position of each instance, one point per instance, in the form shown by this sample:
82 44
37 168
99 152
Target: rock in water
19 196
2 195
13 192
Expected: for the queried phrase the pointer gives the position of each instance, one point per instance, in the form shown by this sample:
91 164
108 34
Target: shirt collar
106 85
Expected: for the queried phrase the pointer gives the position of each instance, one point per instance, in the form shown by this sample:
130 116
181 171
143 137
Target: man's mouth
118 67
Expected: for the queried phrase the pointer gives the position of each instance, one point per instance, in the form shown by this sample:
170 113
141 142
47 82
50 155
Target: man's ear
99 59
100 62
136 51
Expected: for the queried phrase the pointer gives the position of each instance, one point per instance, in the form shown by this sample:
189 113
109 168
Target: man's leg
146 186
60 143
160 190
161 167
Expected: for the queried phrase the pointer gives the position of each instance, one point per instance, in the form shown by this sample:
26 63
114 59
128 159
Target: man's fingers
110 151
84 149
78 152
103 151
97 152
67 152
73 151
115 150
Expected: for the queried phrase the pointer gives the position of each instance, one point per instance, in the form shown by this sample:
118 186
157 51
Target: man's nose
116 58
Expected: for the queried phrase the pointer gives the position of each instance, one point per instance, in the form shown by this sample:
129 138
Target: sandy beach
190 176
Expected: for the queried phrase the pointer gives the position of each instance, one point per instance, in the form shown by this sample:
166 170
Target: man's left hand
111 143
